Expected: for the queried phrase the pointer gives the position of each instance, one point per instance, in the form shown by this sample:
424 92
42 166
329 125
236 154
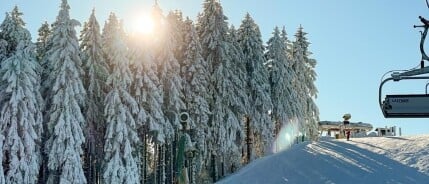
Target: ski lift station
337 127
357 129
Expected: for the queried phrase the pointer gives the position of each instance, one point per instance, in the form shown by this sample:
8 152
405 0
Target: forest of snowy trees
192 104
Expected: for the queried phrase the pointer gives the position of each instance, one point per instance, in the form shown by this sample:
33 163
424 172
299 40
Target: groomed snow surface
362 160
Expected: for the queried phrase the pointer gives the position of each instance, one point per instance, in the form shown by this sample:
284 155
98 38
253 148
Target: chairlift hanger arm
423 36
423 70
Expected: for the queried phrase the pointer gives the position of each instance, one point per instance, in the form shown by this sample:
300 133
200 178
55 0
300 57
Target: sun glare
286 137
143 25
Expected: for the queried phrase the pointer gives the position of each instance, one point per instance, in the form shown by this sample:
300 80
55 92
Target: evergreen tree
212 30
229 98
95 76
21 117
67 94
148 94
42 46
120 107
295 106
288 45
304 67
110 28
168 72
42 40
283 94
11 31
250 40
159 24
176 29
171 83
196 84
240 96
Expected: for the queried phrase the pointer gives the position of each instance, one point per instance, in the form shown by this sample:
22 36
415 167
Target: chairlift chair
408 105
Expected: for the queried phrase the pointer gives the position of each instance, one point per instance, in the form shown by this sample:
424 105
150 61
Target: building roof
337 125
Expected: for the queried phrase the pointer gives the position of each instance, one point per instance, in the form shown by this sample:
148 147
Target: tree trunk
144 159
248 140
169 163
43 171
214 168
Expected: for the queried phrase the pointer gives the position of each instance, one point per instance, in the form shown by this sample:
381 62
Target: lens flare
286 137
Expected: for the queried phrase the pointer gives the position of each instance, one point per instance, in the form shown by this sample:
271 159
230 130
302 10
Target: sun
143 25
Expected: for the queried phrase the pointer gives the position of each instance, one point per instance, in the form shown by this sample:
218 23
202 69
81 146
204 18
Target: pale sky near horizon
354 42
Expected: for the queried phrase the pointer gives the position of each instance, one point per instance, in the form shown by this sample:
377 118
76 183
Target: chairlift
408 105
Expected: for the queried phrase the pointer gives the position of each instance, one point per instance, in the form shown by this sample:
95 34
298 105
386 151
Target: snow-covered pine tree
240 98
176 22
304 67
196 84
283 93
42 46
171 83
67 94
226 87
296 108
158 25
43 73
208 30
21 116
11 31
212 37
168 72
283 36
42 40
250 40
148 94
120 109
111 26
96 73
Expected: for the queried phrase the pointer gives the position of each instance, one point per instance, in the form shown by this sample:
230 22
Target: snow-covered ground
362 160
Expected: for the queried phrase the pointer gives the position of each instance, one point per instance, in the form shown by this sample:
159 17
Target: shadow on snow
327 162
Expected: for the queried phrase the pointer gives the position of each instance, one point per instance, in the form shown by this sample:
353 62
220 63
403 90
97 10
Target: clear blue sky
355 42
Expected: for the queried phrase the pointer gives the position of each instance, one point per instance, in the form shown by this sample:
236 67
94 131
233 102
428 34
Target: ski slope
362 160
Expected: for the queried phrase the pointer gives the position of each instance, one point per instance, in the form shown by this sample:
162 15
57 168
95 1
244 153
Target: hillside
362 160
